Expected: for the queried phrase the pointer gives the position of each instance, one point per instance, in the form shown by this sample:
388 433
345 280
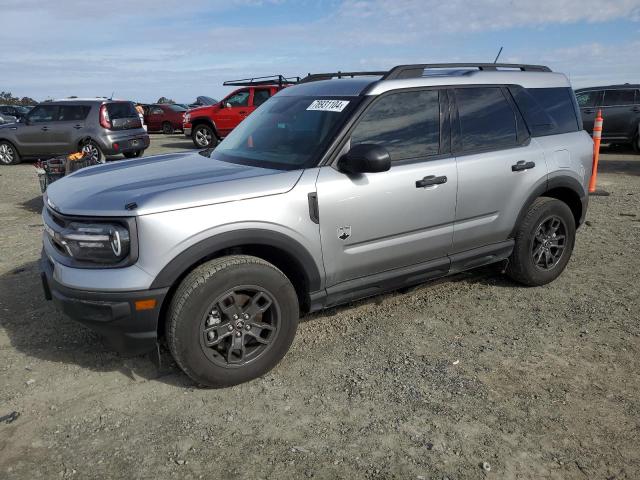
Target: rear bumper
125 142
111 314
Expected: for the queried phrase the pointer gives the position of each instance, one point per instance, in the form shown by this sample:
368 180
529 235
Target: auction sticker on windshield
328 105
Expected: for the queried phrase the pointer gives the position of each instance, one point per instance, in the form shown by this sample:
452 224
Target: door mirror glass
365 158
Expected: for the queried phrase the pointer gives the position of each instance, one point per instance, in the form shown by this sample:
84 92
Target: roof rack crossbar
328 76
417 70
267 80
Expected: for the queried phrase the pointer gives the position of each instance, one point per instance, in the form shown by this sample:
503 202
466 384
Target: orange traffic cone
597 136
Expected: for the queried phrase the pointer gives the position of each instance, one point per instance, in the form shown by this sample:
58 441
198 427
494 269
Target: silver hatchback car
335 189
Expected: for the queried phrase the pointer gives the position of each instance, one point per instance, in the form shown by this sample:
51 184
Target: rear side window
547 111
259 97
487 120
121 110
73 112
614 98
407 124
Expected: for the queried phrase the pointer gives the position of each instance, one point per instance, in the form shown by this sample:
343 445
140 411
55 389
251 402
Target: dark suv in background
99 127
620 106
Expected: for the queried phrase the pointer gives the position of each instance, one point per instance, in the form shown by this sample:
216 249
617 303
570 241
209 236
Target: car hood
161 183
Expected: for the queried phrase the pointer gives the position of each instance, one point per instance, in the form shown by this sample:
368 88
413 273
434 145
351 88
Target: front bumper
186 130
111 314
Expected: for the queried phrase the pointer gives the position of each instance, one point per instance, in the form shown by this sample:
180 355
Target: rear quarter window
547 111
121 110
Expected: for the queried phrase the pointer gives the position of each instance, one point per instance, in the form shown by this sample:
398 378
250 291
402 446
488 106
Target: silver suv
96 126
335 189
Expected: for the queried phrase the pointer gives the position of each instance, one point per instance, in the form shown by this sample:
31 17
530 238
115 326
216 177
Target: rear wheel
134 154
636 144
92 149
231 320
167 128
8 154
204 137
543 243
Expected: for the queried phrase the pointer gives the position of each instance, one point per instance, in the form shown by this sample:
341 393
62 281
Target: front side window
240 99
286 133
588 99
407 124
487 120
44 113
614 98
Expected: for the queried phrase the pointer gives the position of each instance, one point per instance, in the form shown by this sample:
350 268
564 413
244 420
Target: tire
636 144
536 238
134 154
94 150
8 154
201 313
167 128
203 136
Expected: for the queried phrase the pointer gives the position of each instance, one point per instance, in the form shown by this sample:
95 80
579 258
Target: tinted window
177 108
407 124
73 112
547 111
121 110
156 111
618 97
259 97
44 113
588 99
486 119
240 99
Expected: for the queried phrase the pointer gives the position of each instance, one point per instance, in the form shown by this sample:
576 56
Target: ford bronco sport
333 190
209 124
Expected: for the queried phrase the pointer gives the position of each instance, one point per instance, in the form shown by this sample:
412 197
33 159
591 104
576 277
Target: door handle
44 129
77 127
242 113
522 165
431 180
636 109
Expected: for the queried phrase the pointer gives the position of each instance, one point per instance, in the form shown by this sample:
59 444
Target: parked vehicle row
165 118
16 111
98 127
333 190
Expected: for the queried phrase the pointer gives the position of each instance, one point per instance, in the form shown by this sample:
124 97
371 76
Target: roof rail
417 70
279 80
328 76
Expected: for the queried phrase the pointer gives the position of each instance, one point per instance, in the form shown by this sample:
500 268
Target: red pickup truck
209 124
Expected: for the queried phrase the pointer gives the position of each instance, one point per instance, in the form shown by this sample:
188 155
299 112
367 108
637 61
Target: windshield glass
177 108
286 132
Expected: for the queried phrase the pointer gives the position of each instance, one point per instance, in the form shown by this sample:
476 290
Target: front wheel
543 243
204 137
134 154
231 320
92 150
8 154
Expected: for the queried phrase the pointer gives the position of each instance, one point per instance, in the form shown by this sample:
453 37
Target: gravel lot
430 383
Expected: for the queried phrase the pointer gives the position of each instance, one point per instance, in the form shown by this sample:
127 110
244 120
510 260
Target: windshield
177 108
286 132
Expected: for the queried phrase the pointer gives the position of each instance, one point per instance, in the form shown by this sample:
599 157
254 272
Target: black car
620 106
17 111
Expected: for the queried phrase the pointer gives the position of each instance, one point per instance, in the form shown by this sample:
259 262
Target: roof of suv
622 86
424 75
96 100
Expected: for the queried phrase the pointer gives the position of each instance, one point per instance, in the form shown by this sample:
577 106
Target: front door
34 136
497 166
235 109
377 222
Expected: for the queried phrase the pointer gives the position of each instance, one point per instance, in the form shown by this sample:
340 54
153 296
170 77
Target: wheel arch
285 253
564 188
2 139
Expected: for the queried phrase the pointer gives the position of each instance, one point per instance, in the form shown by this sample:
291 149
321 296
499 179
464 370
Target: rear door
68 130
123 116
376 222
588 102
497 166
619 114
155 118
260 95
236 108
34 137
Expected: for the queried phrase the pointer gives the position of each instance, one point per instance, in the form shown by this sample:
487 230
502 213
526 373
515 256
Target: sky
144 49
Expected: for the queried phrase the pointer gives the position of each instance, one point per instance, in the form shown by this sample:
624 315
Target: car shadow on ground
36 329
34 205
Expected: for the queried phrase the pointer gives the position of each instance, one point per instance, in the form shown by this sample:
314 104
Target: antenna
113 93
498 56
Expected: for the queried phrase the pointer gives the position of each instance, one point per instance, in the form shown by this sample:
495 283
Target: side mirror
365 158
228 105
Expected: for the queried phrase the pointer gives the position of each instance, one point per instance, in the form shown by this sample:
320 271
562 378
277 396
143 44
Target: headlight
95 242
187 118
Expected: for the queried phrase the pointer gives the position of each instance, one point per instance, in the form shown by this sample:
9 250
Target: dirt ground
430 383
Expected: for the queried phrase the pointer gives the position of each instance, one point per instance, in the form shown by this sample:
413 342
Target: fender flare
193 255
561 181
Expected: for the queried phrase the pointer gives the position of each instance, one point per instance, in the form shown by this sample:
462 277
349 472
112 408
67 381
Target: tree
165 100
7 99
